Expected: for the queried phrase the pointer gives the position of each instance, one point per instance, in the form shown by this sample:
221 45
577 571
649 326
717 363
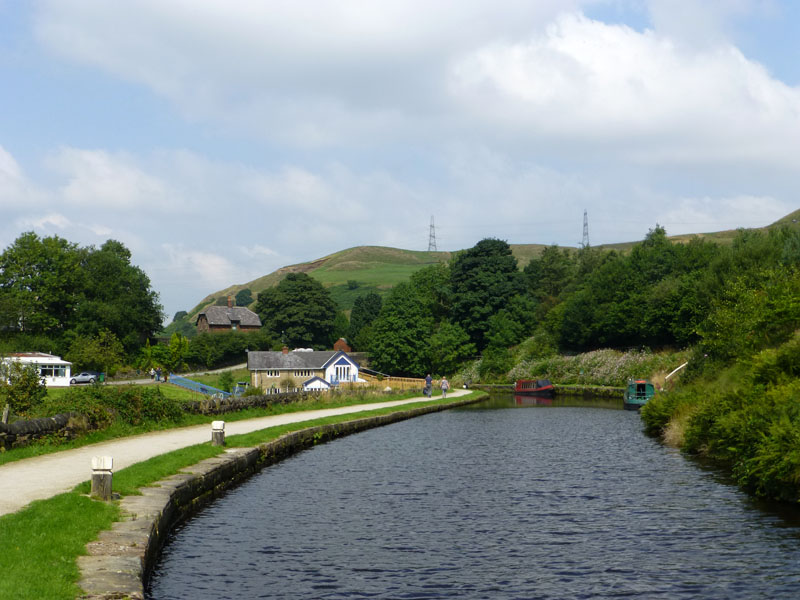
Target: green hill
356 271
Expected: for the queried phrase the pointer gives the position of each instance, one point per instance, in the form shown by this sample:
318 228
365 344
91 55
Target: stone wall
119 561
22 433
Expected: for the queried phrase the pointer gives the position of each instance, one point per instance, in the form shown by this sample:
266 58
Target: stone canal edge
119 561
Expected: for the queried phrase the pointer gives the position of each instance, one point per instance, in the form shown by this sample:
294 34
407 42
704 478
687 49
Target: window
272 373
53 370
303 373
342 372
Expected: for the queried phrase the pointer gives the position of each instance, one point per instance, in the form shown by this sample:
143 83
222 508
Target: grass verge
40 544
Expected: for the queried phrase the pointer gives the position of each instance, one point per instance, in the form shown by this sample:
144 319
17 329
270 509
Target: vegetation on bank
39 545
747 416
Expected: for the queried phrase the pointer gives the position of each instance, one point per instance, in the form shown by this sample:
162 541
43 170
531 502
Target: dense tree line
55 294
723 300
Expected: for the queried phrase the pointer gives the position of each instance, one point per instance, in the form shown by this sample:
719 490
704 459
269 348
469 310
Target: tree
341 326
366 309
117 296
175 359
21 387
244 297
483 278
40 283
53 287
102 352
299 311
449 348
399 344
550 273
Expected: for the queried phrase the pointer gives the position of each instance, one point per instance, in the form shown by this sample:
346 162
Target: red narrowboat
533 387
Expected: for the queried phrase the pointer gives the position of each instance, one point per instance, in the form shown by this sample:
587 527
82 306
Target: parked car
85 377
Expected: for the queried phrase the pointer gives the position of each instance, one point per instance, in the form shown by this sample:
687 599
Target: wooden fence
396 383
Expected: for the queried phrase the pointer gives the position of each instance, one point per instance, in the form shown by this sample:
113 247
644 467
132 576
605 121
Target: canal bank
118 562
587 391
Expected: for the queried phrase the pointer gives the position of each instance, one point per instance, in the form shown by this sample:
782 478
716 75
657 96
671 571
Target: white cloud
591 86
213 270
47 222
99 179
16 191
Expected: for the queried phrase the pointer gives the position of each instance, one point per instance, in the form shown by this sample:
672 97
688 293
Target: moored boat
533 387
638 392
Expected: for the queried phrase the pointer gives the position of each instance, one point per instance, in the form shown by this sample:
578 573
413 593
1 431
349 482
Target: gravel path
24 481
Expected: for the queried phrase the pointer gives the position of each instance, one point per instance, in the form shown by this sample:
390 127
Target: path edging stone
119 561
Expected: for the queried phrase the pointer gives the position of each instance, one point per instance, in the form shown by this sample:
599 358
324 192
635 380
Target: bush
21 387
213 350
105 405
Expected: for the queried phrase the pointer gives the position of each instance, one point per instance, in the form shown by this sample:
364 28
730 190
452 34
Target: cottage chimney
230 301
285 349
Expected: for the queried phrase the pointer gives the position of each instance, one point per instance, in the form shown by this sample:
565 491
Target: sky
220 141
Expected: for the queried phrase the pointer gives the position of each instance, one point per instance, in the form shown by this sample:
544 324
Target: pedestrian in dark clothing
428 386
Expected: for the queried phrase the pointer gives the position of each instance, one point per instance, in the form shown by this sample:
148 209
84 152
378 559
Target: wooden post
101 477
217 433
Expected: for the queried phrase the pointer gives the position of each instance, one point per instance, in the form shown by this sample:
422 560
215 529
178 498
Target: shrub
104 405
21 387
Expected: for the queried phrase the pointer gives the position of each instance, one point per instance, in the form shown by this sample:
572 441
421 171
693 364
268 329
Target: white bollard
217 433
102 477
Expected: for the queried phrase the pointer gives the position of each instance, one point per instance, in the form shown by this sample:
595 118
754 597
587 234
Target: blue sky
221 141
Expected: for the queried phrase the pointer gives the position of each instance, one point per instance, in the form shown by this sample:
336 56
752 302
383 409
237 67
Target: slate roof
317 359
222 315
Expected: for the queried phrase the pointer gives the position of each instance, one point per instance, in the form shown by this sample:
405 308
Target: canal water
500 500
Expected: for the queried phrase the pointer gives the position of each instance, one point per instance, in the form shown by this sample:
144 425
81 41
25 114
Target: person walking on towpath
445 387
428 386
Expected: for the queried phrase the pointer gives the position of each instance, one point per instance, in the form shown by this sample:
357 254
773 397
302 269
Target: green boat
638 392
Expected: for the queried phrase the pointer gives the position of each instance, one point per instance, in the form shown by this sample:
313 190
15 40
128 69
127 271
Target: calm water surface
498 501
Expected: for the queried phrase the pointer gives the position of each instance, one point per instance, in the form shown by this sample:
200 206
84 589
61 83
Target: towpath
41 477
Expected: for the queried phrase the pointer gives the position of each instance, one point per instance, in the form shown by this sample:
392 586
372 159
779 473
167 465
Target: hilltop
355 271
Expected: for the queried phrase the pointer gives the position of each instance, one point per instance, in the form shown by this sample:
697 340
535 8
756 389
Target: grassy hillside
356 271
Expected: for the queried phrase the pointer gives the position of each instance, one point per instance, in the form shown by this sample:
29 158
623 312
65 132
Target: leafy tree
40 283
212 350
366 309
299 311
244 297
399 344
550 273
21 387
352 284
449 348
432 285
176 356
482 279
341 326
226 381
53 287
181 314
102 352
117 296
